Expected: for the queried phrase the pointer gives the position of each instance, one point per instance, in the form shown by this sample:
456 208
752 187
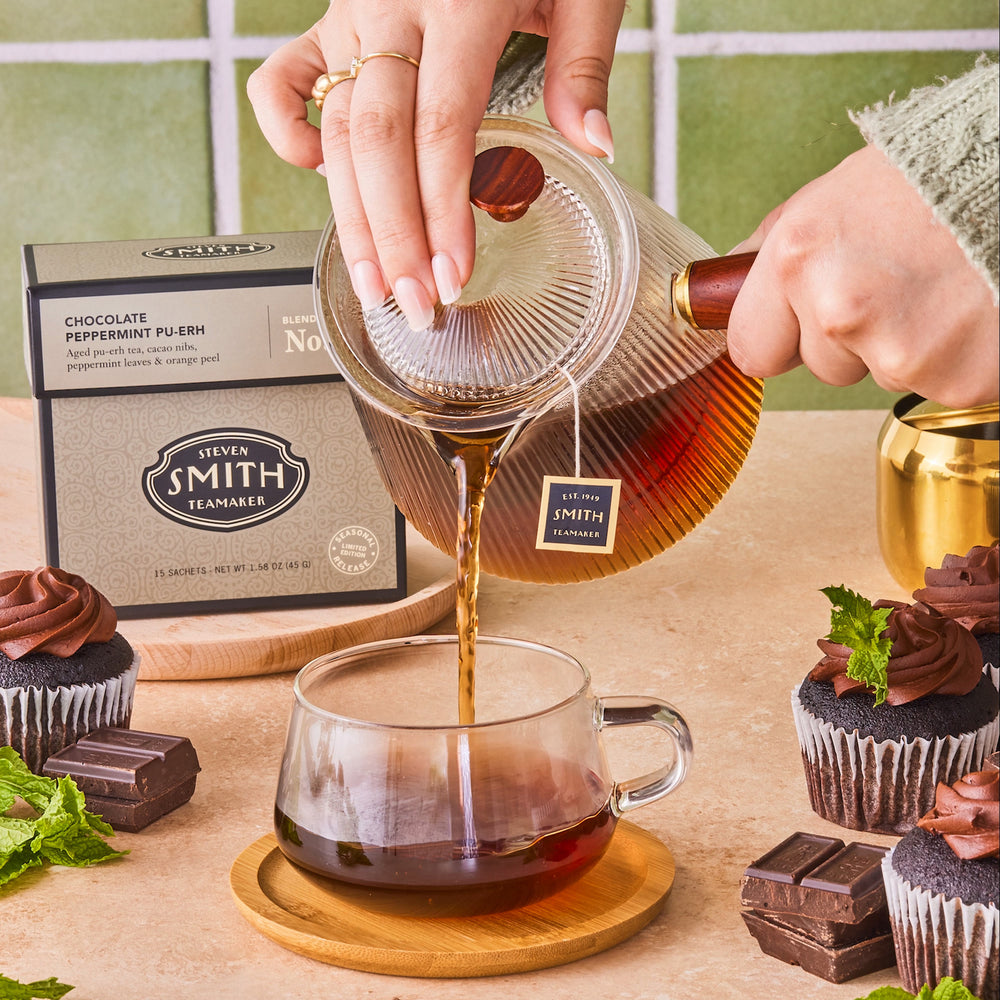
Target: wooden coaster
622 893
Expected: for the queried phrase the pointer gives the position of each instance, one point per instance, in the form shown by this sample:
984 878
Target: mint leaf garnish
856 624
17 850
69 835
62 833
16 780
43 989
952 989
946 989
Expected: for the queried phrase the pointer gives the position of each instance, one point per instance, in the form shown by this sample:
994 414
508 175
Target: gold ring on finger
325 82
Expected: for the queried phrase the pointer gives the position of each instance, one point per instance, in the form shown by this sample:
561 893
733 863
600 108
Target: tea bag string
576 416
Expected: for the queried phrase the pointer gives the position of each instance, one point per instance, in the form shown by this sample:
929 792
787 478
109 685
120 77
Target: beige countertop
723 625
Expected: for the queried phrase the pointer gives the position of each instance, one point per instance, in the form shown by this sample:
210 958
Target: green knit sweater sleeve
519 76
946 141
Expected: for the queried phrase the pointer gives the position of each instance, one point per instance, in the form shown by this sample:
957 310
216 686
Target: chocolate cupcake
884 719
64 669
967 588
942 883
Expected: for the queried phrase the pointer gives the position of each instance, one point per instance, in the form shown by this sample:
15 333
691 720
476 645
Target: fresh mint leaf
889 993
16 864
946 989
952 989
63 832
15 832
67 836
43 989
856 624
16 780
17 850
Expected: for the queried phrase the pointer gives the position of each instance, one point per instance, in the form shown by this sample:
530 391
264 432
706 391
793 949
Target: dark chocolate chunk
834 964
130 816
802 876
128 776
832 933
794 857
854 871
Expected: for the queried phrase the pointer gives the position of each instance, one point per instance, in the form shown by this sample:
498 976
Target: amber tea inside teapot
617 425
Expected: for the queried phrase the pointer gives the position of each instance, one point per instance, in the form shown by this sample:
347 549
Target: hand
854 275
398 142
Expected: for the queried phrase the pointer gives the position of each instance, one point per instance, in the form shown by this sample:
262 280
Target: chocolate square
817 877
127 776
834 964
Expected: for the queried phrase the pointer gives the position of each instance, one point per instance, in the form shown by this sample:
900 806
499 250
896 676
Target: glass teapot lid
549 295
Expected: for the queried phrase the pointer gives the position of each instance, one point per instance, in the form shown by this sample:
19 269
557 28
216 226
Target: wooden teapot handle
704 292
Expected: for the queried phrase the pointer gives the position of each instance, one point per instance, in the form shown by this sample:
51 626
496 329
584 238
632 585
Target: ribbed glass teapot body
667 414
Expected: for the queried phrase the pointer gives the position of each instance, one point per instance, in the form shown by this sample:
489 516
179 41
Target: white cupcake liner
935 936
883 786
40 721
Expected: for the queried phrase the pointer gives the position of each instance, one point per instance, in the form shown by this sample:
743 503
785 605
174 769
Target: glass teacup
382 791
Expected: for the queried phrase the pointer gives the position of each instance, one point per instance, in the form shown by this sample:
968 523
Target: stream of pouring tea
474 465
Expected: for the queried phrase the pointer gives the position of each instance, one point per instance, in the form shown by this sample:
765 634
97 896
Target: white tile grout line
224 118
629 40
222 48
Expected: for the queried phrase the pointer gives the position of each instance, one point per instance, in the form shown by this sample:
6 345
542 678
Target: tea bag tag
577 514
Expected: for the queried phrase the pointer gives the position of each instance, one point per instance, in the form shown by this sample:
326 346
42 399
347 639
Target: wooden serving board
224 645
619 896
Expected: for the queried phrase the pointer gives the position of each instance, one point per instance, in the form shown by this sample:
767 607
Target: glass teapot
614 424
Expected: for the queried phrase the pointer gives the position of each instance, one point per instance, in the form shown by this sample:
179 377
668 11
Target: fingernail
412 298
368 284
321 170
446 277
597 129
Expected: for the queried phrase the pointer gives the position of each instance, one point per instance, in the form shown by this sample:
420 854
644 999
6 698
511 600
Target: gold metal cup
936 485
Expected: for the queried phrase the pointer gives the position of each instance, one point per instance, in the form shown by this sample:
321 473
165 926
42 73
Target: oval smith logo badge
226 479
208 251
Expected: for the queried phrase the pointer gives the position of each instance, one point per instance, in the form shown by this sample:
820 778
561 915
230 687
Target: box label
206 335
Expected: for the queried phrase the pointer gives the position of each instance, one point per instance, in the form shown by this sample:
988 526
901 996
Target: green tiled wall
93 148
57 21
846 15
265 17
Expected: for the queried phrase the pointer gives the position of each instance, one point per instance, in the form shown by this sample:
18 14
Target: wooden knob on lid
505 181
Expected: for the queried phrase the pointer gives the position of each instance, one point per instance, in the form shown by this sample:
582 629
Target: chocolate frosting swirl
51 611
930 654
966 588
967 815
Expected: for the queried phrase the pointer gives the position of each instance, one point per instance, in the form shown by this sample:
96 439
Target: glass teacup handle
624 710
704 292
